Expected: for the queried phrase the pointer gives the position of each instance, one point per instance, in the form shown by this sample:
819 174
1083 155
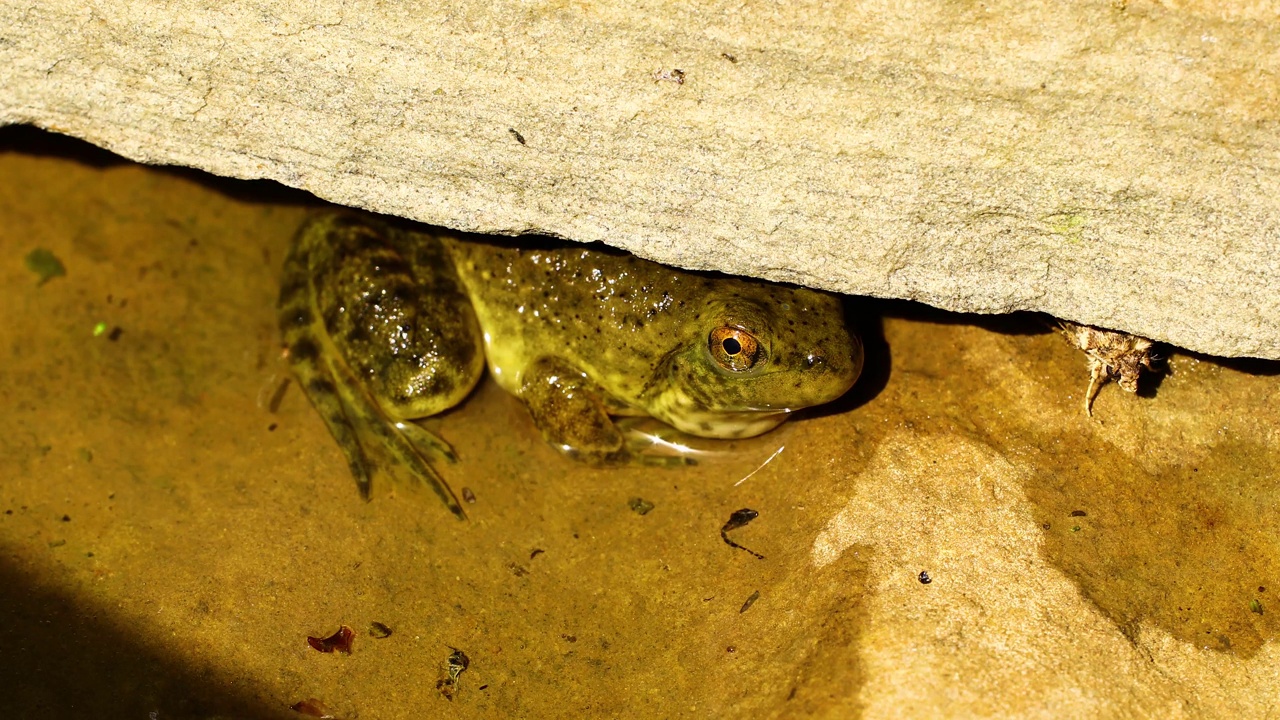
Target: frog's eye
734 348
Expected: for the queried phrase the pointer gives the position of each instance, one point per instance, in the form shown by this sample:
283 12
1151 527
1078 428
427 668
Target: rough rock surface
1112 163
175 519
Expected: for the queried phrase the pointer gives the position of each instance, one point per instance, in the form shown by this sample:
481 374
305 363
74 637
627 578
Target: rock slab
1111 163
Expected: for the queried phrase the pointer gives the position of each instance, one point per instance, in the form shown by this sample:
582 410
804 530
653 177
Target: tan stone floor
168 542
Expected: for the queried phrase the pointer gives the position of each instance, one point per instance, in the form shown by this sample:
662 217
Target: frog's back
613 315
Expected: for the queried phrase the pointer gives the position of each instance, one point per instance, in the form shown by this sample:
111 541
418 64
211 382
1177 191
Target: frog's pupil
732 346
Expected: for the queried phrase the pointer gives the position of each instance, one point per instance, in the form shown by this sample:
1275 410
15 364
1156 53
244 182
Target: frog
385 324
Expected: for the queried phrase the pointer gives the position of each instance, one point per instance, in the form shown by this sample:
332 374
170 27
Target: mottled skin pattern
379 331
639 332
385 325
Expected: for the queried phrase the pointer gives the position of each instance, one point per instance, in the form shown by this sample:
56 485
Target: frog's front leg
574 415
569 409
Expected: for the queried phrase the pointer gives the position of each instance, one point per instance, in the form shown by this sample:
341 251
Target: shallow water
171 531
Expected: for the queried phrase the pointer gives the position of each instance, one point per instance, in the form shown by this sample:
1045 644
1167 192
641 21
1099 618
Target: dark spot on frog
305 350
321 386
293 286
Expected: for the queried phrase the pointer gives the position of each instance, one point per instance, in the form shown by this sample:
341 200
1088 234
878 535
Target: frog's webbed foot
427 443
407 444
318 384
352 417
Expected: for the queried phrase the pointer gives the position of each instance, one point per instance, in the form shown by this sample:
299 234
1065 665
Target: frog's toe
427 443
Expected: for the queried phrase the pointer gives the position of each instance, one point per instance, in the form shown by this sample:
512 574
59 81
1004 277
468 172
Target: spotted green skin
385 325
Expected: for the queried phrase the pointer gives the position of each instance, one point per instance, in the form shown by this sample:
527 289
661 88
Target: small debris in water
1078 513
379 630
536 552
1255 606
115 333
454 666
751 600
675 75
640 506
467 495
924 577
737 520
311 707
45 264
1112 356
339 641
99 329
278 396
1075 528
516 134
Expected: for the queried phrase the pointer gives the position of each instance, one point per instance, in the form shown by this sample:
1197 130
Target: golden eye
734 349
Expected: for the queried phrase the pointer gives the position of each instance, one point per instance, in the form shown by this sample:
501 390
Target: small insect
516 134
1112 355
924 577
454 666
737 520
751 600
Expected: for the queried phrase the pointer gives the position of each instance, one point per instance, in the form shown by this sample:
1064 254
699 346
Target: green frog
384 325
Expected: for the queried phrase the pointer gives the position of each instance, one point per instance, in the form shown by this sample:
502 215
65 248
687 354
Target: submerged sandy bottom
168 541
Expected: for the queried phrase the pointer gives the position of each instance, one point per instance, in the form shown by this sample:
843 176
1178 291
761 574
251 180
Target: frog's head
750 359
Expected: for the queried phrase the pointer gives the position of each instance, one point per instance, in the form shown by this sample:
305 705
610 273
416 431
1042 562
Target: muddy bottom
954 537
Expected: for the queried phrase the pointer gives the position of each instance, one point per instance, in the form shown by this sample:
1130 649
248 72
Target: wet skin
385 325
